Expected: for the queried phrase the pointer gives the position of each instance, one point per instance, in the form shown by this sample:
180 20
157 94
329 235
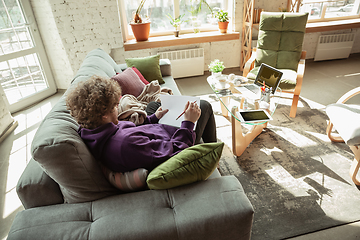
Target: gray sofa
66 195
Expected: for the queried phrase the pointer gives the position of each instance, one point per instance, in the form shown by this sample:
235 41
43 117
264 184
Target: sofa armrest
165 67
35 188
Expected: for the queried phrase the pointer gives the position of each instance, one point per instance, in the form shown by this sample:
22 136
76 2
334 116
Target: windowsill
183 39
215 36
332 25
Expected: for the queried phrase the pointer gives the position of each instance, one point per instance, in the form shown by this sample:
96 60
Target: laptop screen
271 76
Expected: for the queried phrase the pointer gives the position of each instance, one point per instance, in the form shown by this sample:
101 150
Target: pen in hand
182 113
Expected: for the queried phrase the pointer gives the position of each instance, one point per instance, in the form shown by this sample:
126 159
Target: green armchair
280 45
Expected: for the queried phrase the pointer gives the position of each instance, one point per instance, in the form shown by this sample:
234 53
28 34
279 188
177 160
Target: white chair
346 120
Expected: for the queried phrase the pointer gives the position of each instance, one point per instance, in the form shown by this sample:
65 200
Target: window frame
127 35
38 49
323 12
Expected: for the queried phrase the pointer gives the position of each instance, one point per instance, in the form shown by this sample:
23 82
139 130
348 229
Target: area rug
296 179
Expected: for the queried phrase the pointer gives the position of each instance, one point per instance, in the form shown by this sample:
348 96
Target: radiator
185 63
334 46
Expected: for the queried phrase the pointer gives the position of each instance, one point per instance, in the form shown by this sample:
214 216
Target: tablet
254 116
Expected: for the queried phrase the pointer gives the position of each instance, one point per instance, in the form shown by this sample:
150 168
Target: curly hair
92 99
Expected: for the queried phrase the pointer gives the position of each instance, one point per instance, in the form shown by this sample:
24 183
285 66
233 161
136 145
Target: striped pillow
128 181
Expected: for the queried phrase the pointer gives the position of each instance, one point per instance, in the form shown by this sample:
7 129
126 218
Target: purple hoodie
125 147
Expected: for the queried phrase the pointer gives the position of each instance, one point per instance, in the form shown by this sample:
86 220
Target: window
25 76
323 10
194 11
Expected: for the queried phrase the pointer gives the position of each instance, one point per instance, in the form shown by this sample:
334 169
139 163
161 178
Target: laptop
270 75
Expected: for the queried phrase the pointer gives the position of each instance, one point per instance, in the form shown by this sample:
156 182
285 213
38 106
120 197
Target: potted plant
195 9
176 22
223 20
216 67
141 30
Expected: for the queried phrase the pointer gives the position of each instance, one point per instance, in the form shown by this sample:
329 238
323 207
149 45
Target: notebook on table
270 75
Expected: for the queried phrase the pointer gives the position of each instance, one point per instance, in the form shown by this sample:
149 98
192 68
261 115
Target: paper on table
176 105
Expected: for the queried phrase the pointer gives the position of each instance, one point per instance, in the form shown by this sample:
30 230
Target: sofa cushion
192 164
35 188
140 75
97 62
213 209
148 66
61 152
129 82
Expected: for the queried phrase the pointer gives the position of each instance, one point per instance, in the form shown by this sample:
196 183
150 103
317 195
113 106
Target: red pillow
129 82
140 75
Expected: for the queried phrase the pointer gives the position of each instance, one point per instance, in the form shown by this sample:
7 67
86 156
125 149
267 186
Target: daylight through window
195 13
323 10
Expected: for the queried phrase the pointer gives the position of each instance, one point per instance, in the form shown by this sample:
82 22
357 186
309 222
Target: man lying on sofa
121 145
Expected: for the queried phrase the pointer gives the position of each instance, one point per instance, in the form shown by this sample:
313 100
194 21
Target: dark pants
205 127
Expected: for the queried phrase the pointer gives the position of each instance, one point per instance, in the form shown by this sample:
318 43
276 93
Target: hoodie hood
95 139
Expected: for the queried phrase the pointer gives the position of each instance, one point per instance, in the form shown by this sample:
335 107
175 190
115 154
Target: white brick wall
72 28
59 63
86 24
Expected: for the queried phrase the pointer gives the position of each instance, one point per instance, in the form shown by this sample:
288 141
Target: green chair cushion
192 164
280 39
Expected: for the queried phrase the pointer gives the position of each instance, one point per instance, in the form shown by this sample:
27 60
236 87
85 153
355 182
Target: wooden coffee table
231 100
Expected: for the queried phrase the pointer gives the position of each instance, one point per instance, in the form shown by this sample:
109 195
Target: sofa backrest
60 151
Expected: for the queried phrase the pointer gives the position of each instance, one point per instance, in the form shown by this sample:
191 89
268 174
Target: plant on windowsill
195 9
176 22
216 67
223 20
141 30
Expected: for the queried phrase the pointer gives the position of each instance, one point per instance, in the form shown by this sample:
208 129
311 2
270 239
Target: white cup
222 83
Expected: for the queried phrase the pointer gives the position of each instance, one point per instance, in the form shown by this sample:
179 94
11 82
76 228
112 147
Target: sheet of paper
176 105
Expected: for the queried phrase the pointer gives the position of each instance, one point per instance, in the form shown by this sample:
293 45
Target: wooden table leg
241 141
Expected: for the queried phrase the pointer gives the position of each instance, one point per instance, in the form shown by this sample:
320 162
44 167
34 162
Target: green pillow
149 67
193 164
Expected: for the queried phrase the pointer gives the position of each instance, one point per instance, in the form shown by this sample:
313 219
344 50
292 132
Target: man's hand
192 112
160 112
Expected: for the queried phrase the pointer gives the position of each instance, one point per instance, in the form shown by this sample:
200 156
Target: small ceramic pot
216 75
